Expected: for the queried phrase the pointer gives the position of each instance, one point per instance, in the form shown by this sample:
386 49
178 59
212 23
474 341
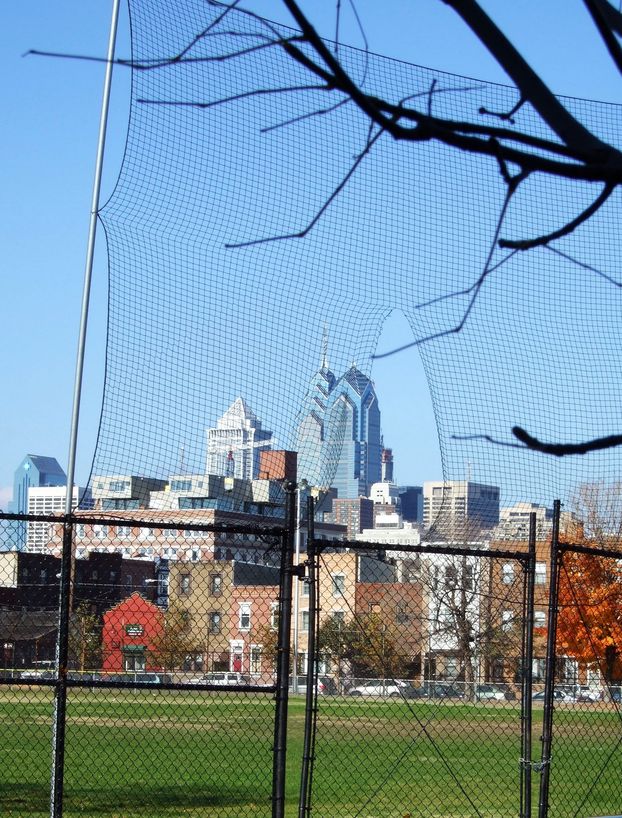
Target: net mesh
202 314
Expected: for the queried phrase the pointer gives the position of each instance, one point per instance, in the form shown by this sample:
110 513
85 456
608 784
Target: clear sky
48 142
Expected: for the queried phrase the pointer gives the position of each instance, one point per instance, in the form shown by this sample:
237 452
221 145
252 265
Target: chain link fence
243 671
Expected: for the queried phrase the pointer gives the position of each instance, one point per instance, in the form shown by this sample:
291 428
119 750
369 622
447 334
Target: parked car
223 679
444 690
325 685
558 696
589 694
488 692
379 687
136 678
36 675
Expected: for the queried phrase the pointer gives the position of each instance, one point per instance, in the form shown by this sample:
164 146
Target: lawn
158 754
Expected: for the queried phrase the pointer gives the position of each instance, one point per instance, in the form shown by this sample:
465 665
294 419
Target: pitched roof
22 626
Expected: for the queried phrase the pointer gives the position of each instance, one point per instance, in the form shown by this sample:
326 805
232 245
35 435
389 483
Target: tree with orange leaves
589 626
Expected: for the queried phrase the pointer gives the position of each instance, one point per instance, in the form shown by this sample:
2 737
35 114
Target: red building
129 634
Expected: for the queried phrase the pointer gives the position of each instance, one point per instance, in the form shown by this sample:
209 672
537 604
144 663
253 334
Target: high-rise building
339 440
38 471
233 446
411 501
35 471
50 500
456 507
387 465
355 513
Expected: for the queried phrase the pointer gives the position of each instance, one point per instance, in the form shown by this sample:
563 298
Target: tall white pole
90 253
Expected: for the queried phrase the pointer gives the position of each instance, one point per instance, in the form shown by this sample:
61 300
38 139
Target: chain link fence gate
172 643
416 703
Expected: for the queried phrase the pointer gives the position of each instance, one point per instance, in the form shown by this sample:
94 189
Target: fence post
60 692
312 667
283 650
529 568
549 681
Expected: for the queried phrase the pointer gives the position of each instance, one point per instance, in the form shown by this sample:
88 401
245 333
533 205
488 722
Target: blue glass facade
339 438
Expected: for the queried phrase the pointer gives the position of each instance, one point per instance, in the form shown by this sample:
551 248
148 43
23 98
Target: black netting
195 323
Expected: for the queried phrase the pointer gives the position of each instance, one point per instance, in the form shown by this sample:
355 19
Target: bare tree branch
256 92
585 266
301 233
528 244
474 290
601 18
562 449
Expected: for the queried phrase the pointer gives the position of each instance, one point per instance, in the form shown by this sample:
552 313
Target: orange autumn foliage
589 626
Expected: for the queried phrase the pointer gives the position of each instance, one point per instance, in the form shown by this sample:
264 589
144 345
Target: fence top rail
424 548
175 524
595 550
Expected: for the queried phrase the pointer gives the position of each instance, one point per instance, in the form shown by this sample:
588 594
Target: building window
119 485
451 577
508 573
305 586
274 616
255 663
195 555
539 619
185 584
181 485
304 621
244 620
170 533
147 534
100 532
540 578
402 617
124 531
215 584
507 620
339 584
80 532
215 621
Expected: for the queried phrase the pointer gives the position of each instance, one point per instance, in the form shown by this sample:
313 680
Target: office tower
458 507
233 446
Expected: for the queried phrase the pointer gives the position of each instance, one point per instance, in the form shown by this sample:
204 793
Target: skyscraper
35 471
233 446
339 440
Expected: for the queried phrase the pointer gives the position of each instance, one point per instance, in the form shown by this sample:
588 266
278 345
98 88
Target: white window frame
338 583
540 575
507 576
244 616
255 658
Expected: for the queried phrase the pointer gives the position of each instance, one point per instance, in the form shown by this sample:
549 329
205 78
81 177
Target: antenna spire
325 347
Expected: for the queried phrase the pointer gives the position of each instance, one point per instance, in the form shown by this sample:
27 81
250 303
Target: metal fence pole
549 686
60 692
283 654
312 667
529 568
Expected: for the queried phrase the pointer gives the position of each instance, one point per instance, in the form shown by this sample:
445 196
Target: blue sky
48 143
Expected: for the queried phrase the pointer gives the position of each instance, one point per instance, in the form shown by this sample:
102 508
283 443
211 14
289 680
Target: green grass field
158 754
